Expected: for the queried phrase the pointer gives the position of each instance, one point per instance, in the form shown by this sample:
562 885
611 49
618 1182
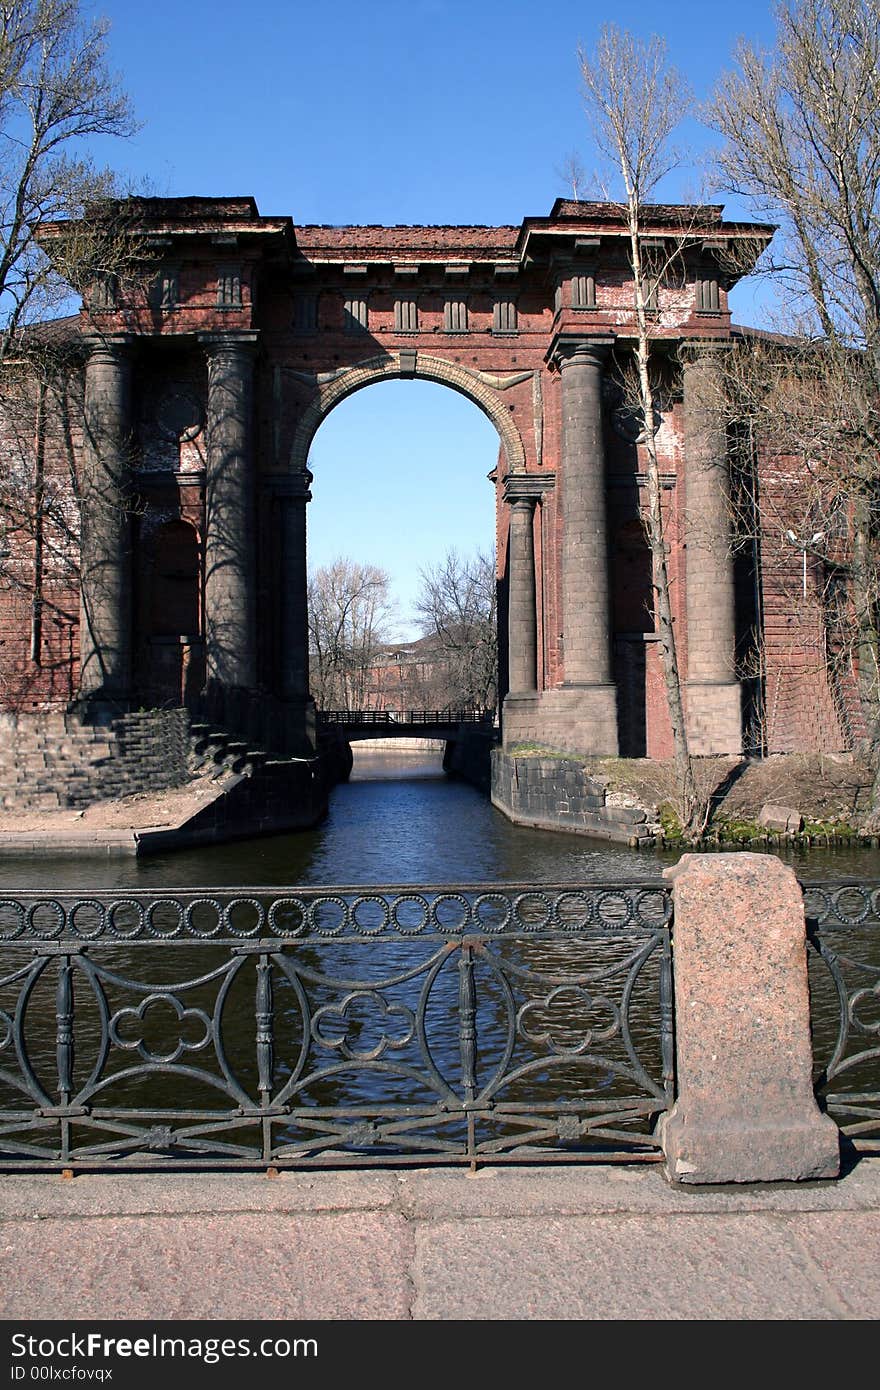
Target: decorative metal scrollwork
843 929
323 1026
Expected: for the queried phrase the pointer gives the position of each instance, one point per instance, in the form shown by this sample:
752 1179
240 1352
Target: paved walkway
552 1242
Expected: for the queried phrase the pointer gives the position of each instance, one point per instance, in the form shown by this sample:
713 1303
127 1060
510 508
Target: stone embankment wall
53 761
556 794
469 756
270 796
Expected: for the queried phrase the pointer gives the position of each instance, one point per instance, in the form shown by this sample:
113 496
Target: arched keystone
745 1109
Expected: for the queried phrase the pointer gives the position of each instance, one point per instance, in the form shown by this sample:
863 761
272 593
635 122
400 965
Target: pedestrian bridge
412 723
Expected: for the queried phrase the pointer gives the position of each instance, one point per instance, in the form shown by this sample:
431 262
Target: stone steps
51 762
55 760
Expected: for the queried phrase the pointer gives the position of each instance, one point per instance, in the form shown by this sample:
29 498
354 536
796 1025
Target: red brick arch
334 387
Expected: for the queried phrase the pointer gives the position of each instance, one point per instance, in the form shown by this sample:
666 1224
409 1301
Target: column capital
693 352
527 487
233 344
290 487
574 350
112 347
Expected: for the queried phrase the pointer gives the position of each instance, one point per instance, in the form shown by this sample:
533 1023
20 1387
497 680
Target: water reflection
399 820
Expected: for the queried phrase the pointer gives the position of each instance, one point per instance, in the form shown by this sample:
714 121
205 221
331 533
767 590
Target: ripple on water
399 820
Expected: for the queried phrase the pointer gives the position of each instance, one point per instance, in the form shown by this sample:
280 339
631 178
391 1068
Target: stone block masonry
556 794
54 761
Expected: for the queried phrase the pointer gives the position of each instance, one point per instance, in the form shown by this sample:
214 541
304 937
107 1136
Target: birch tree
634 102
801 140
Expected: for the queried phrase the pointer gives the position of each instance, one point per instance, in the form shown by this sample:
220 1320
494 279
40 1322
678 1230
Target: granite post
745 1109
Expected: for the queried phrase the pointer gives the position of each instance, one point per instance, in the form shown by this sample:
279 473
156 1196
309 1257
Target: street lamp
804 547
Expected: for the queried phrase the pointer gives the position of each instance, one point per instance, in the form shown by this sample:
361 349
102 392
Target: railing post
64 1044
745 1109
265 1045
64 1029
467 1039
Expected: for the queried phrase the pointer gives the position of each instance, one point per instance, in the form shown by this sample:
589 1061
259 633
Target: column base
573 718
794 1148
299 721
714 717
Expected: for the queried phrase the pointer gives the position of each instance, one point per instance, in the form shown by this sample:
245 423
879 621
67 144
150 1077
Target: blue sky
424 111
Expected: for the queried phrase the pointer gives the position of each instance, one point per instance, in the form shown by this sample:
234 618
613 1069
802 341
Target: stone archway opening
400 478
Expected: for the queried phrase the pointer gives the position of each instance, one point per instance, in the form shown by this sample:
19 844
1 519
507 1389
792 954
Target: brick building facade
183 419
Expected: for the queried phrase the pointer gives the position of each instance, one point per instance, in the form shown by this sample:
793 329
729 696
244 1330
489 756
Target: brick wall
302 370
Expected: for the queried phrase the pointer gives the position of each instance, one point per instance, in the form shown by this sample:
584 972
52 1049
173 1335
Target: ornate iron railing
369 717
258 1028
843 931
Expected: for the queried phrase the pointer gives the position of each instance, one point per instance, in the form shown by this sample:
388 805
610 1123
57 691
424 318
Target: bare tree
573 176
55 94
634 101
457 606
39 518
801 131
350 614
63 232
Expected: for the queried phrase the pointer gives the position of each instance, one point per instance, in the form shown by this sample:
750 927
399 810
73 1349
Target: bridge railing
500 1023
355 716
459 716
384 717
258 1027
843 935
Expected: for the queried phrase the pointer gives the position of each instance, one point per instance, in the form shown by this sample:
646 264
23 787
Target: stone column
105 602
522 617
745 1109
230 549
291 497
714 707
586 714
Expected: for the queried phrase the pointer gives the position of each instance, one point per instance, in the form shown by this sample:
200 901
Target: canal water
399 820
